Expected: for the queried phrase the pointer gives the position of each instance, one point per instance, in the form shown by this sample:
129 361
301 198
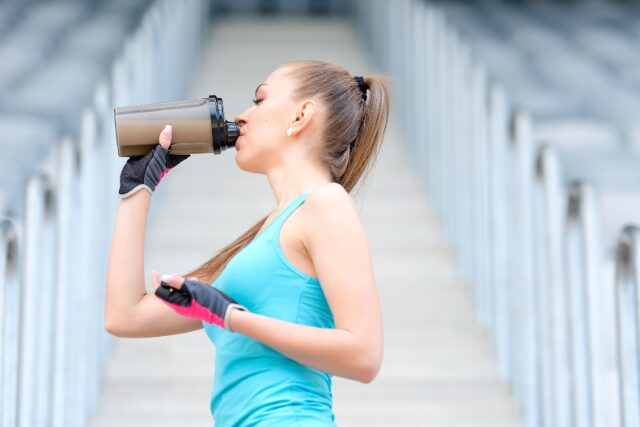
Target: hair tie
363 86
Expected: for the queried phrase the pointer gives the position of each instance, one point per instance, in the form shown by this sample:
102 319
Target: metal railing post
550 212
500 250
11 274
584 277
627 301
36 311
526 385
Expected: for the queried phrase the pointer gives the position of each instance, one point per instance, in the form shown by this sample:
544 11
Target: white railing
532 221
54 245
628 323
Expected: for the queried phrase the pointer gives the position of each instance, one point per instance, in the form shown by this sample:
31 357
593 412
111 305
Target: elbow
118 322
110 328
370 369
369 374
114 328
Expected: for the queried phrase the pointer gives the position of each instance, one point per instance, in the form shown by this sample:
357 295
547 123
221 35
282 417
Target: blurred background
502 210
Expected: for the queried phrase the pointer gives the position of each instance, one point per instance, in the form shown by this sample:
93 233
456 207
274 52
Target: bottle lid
223 133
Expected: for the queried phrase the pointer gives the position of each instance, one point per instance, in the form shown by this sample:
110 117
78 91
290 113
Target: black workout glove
146 171
198 300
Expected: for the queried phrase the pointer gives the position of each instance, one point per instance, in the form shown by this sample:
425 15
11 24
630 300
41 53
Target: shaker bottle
198 127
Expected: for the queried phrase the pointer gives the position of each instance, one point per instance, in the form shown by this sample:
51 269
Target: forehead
278 77
279 82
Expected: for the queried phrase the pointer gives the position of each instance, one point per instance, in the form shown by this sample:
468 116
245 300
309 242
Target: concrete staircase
439 369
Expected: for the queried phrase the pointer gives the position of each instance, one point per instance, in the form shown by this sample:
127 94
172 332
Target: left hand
193 298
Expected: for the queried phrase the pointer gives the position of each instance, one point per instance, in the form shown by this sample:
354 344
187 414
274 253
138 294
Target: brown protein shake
198 127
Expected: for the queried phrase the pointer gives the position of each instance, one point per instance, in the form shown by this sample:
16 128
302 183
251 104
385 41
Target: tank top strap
277 223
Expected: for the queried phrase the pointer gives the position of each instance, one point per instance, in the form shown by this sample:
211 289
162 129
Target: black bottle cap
223 133
232 132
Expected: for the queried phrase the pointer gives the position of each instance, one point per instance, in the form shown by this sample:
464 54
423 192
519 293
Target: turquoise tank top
253 384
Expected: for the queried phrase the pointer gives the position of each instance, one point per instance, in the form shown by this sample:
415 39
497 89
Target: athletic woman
293 300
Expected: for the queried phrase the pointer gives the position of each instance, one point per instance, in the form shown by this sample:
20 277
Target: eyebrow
261 84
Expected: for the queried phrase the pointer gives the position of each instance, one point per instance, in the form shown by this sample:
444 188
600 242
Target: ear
303 116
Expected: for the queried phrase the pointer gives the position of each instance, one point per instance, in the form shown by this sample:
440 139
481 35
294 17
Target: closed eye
256 101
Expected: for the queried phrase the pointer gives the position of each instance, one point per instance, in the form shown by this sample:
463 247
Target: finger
163 293
172 280
173 297
155 279
165 137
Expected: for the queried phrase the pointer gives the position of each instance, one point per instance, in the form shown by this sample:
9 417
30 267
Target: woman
290 302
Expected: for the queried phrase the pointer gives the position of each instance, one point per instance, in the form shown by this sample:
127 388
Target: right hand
146 171
193 298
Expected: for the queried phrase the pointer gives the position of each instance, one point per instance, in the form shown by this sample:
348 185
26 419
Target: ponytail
353 133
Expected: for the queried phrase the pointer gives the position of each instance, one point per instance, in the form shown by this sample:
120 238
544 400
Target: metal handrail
54 345
528 247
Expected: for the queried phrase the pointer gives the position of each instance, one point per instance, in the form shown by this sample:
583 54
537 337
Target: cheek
272 118
264 138
269 126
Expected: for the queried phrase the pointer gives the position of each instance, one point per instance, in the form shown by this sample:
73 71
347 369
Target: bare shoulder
330 197
330 207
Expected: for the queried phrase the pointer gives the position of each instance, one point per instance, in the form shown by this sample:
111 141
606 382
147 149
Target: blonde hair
348 118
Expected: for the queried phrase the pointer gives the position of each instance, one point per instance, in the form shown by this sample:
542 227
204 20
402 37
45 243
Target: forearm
125 274
335 351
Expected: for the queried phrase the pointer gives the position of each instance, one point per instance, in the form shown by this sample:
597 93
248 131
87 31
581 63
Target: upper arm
153 318
339 249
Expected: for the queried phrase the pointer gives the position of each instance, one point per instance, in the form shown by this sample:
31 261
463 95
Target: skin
324 238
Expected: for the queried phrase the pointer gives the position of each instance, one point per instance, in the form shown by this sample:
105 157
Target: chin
239 163
242 164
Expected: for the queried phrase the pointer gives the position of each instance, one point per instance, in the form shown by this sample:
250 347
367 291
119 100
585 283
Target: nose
241 119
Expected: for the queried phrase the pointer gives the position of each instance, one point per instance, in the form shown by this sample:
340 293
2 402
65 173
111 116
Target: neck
294 177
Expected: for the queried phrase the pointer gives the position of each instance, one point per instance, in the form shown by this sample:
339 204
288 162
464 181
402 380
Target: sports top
254 384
